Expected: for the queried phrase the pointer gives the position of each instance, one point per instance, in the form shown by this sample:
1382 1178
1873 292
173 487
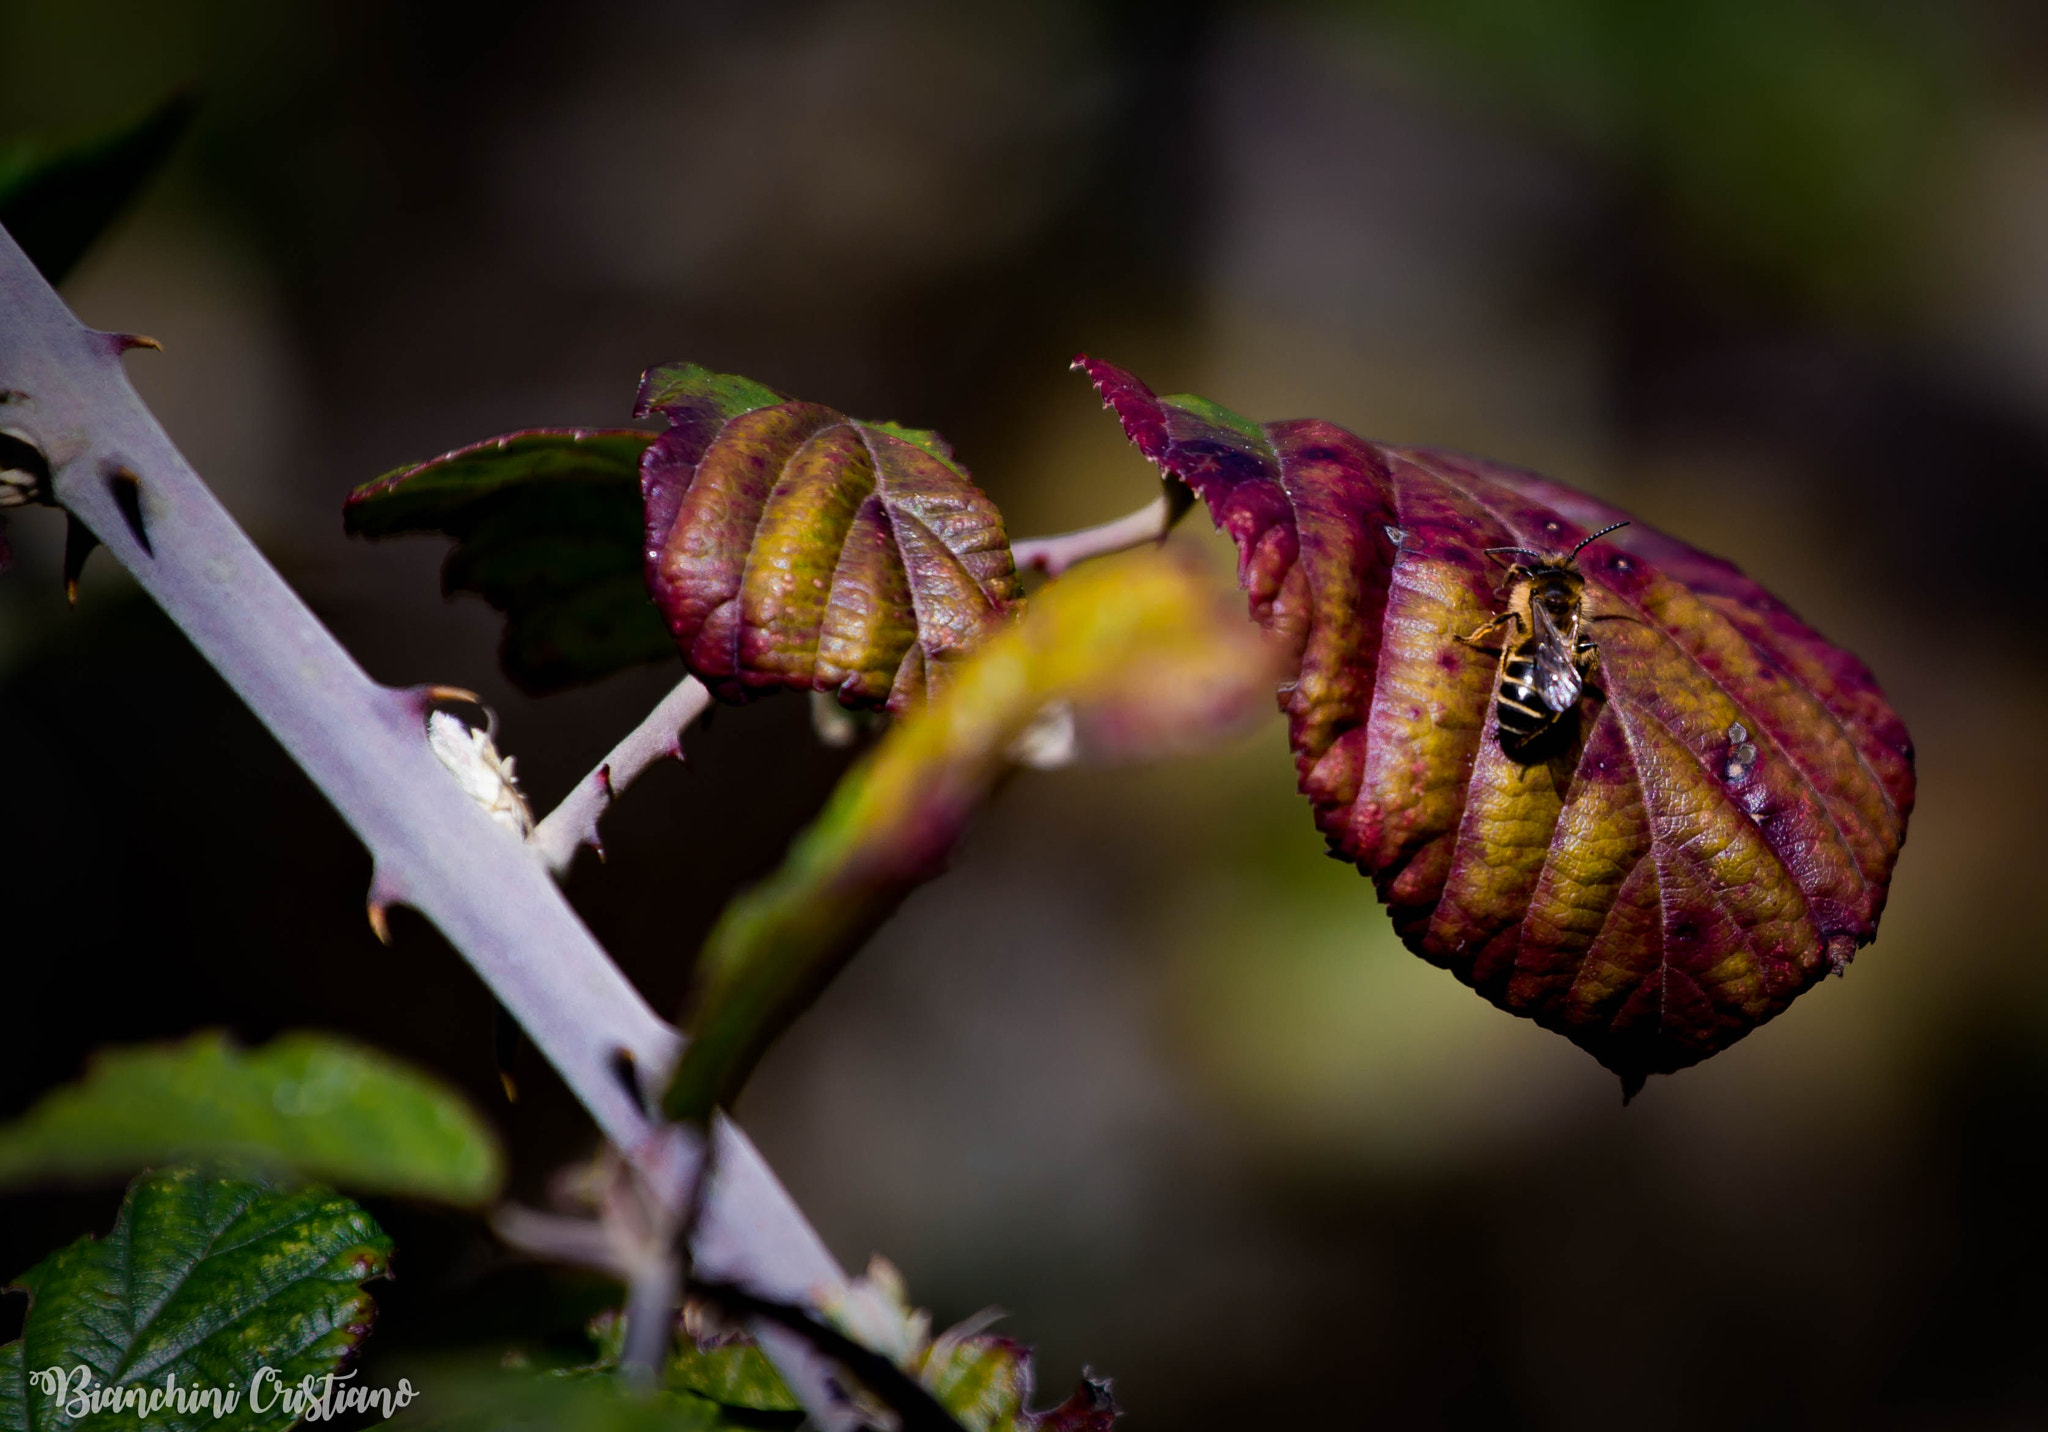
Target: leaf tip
1841 949
1136 406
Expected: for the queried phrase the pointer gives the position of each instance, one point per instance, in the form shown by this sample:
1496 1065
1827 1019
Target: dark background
1146 1069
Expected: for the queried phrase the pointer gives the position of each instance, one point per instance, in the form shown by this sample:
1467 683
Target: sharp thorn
78 544
509 1085
379 925
125 341
422 699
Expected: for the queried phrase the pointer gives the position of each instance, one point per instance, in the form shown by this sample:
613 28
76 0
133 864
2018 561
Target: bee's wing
1558 680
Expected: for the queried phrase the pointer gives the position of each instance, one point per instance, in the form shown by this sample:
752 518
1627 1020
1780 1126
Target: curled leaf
547 530
789 545
1140 651
1714 827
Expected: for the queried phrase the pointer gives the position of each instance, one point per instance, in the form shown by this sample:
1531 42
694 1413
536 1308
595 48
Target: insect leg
1488 628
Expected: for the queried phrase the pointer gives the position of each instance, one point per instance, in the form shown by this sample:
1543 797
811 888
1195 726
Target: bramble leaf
547 530
1148 662
304 1102
982 1381
792 546
727 1369
1714 831
203 1280
731 1374
55 205
515 1400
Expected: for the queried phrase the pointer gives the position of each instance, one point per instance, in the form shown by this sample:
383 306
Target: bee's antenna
1525 551
1610 527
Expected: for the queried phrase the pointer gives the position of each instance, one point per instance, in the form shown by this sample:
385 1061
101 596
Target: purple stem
62 387
573 824
1053 555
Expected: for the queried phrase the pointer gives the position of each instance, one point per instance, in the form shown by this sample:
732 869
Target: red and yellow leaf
789 545
1714 833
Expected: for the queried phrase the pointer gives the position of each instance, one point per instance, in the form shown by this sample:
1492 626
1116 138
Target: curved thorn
78 544
423 698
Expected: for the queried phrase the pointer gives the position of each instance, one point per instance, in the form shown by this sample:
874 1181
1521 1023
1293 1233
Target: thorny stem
1053 555
573 824
364 745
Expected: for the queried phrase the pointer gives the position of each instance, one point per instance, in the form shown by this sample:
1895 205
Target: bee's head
1556 586
1545 564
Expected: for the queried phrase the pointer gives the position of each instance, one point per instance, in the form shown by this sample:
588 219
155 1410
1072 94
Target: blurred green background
1146 1069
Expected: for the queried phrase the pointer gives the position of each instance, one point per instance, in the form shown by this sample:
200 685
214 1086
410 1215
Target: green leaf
1147 659
730 1371
493 1400
726 395
55 205
204 1280
547 527
14 1389
983 1381
305 1102
734 1374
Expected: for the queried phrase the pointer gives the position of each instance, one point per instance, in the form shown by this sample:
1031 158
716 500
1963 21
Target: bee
1546 664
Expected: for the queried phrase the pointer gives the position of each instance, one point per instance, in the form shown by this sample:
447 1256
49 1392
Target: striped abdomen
1521 710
